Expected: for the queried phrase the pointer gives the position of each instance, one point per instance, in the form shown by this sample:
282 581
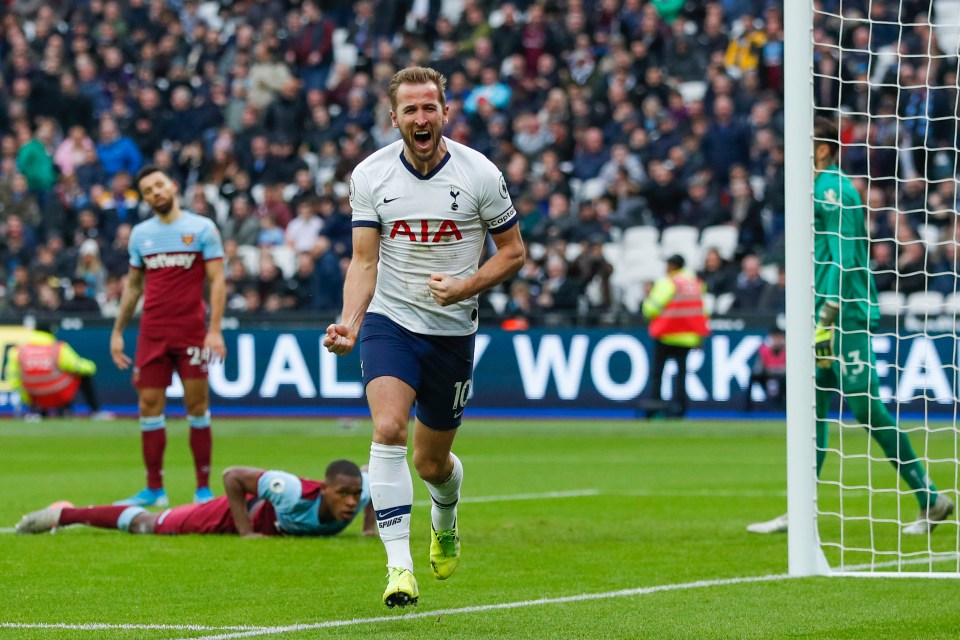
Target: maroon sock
103 517
154 443
201 444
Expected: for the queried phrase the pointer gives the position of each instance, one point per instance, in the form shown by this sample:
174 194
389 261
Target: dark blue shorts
439 368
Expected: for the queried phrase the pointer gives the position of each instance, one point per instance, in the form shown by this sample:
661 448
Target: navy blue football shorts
439 368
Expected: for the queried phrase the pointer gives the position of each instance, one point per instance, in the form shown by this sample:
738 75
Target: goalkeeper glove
823 346
823 336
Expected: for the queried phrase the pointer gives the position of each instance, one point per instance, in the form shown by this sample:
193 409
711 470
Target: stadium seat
924 303
683 240
498 300
286 259
250 256
343 51
709 303
256 192
220 206
641 236
723 304
722 237
929 233
891 303
612 252
770 273
574 249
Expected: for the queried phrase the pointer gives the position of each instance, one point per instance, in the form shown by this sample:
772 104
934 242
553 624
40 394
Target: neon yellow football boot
444 551
401 588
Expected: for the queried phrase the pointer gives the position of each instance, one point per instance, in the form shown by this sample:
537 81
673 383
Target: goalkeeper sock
444 496
896 446
153 440
391 492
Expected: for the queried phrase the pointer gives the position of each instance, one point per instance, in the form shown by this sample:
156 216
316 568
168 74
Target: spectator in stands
242 226
769 370
310 50
591 155
115 151
773 299
72 150
35 158
303 230
726 142
559 292
79 301
717 275
17 200
749 286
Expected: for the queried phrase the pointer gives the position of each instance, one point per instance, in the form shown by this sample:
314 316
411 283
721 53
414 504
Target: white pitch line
243 631
7 530
98 626
622 593
548 495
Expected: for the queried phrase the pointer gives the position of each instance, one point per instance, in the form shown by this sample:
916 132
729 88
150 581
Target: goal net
886 75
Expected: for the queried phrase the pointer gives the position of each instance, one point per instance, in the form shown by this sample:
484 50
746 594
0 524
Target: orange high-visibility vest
684 312
47 385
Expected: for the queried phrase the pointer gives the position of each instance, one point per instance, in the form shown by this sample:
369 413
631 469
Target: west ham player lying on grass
257 503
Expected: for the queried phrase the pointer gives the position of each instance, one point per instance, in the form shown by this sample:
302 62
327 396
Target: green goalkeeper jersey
842 251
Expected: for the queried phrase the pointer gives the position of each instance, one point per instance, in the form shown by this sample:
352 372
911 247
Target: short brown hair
825 132
418 75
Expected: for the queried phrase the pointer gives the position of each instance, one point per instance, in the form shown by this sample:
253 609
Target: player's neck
423 168
170 216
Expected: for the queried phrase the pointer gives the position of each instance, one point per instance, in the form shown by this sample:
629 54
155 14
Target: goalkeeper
847 312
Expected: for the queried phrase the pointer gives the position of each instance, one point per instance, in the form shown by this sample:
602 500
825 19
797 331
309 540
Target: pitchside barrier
562 372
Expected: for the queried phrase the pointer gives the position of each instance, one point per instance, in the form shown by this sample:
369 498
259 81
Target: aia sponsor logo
420 231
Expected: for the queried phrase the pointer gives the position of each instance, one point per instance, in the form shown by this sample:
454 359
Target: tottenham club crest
454 194
187 238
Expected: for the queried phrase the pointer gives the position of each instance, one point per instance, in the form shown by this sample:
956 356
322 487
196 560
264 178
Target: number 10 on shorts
461 393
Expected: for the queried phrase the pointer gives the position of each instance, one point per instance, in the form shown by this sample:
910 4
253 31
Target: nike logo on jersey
389 200
458 414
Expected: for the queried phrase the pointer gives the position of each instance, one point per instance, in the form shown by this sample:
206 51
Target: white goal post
849 522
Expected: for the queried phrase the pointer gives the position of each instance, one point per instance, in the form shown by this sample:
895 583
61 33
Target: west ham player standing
171 256
422 207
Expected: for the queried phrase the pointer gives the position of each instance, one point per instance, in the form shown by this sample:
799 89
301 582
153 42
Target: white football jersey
429 224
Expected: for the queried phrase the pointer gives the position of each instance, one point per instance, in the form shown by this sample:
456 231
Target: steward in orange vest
47 372
678 323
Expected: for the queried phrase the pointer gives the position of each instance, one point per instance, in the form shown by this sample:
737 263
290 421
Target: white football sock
444 498
391 492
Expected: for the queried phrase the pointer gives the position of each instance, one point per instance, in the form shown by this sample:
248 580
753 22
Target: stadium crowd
604 115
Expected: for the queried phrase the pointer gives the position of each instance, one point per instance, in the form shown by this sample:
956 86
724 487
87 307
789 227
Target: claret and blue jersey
292 505
172 256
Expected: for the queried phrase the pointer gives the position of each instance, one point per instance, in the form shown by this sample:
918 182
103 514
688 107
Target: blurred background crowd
627 131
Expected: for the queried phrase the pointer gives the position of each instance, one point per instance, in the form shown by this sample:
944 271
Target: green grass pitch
551 510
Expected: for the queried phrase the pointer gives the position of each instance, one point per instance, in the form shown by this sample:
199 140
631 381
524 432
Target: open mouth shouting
423 140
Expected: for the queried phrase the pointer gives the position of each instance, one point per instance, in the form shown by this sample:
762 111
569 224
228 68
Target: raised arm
358 288
132 292
238 482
